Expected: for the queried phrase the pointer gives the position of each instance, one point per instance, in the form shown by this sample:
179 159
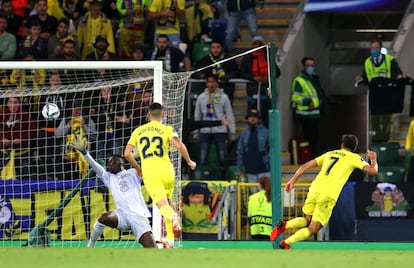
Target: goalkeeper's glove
79 144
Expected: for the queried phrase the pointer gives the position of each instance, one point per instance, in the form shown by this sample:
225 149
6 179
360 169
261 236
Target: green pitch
217 254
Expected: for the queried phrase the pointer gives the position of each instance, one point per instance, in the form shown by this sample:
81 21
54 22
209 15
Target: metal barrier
292 203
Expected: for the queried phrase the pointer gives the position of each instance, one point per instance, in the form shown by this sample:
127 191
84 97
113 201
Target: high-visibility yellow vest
383 70
308 91
260 214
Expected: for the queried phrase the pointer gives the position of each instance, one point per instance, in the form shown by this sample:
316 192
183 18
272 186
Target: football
50 111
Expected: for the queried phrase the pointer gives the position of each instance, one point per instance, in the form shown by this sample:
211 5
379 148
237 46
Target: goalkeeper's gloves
79 144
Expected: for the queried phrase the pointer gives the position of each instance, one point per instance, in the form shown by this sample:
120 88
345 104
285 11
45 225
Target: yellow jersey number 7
150 151
334 160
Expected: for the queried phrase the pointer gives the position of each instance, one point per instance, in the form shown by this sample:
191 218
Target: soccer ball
50 111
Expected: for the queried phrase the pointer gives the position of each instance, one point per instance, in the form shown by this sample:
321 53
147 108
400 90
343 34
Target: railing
191 96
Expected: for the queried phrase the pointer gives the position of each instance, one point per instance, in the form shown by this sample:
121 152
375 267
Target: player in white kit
125 186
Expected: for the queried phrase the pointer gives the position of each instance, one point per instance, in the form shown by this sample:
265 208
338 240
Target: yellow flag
8 172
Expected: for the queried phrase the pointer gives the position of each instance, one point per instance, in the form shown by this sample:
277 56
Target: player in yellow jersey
153 141
336 166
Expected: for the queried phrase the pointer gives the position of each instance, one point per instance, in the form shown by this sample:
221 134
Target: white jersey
125 187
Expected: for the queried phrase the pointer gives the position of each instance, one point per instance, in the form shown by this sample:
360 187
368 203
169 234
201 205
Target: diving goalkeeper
125 186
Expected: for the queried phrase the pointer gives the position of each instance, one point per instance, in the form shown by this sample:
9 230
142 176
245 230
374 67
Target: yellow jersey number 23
148 150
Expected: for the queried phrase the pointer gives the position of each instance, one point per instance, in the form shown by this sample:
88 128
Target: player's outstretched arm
130 157
184 152
299 172
80 145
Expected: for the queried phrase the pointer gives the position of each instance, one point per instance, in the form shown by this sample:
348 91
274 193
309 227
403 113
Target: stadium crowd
93 30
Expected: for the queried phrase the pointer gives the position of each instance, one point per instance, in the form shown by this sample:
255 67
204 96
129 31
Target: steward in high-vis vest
307 94
259 211
379 64
375 66
308 100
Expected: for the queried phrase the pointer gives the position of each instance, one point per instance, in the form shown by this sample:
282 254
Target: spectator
131 27
255 67
211 105
199 16
253 149
101 51
59 9
93 24
22 7
16 130
7 41
69 51
55 43
140 111
14 21
24 79
167 15
110 119
238 10
33 44
259 211
138 52
47 23
170 56
308 99
71 126
225 70
67 76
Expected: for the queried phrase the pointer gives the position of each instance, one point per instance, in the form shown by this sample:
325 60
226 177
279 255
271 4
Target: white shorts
139 225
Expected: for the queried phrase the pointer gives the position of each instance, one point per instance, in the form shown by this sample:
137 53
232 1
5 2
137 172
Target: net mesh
41 178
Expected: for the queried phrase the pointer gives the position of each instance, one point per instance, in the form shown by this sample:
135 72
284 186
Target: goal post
51 185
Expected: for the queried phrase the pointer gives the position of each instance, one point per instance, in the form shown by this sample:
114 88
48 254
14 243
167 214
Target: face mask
375 53
309 70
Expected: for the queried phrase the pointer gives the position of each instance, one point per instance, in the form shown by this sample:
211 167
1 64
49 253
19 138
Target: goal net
48 194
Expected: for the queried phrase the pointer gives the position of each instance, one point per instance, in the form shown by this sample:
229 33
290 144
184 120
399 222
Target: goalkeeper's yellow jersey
336 167
153 141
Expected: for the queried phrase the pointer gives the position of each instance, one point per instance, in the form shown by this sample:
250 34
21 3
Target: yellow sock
167 212
295 223
300 235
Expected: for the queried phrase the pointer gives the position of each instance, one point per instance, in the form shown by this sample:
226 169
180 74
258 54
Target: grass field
218 254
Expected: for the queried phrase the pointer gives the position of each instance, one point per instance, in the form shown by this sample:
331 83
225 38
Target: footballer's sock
300 235
167 212
296 223
98 229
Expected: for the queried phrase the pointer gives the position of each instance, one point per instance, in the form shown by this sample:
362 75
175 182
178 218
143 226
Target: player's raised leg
281 226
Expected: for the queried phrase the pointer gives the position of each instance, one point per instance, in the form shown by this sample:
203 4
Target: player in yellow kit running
153 141
336 166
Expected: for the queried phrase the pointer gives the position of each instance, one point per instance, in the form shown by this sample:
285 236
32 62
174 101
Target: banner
353 5
384 200
25 204
199 205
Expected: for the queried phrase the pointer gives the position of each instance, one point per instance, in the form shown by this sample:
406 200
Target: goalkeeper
125 185
153 142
